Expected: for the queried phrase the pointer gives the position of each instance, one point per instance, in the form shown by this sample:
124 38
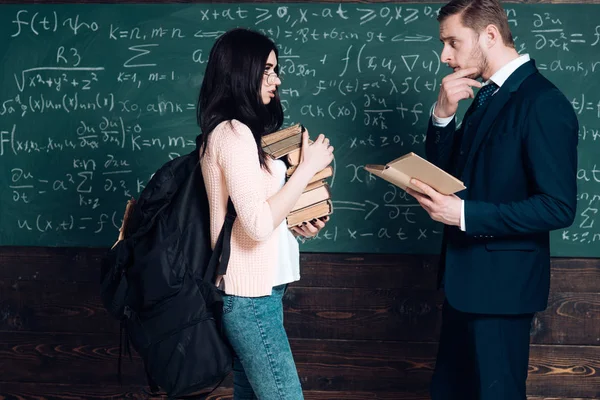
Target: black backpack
158 281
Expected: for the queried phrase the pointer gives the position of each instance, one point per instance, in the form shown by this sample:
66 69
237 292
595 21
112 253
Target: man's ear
491 36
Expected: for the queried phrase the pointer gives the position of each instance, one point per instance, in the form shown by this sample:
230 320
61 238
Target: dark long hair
231 88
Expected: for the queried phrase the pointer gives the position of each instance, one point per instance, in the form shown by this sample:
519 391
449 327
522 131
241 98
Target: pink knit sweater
231 168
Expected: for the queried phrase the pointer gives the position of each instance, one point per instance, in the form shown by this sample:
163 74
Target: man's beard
482 62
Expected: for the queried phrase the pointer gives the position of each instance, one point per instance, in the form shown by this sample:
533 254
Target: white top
289 252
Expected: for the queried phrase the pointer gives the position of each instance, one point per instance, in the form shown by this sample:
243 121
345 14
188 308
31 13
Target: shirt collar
506 71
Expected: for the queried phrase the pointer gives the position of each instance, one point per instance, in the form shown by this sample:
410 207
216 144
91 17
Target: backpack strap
220 256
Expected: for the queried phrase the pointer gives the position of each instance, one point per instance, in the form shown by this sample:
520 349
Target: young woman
238 104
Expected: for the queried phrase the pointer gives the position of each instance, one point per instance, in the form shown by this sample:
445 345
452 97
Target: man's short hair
478 14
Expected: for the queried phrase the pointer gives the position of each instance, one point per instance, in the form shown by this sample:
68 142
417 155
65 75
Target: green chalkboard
94 98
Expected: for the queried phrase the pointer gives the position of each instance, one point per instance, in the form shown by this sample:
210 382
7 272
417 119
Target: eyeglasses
272 78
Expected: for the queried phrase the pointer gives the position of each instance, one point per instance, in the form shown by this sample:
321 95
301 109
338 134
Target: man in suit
516 152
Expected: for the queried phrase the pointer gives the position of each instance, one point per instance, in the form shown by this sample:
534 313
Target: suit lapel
482 129
493 108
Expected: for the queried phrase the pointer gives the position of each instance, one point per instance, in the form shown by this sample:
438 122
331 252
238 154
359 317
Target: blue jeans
263 366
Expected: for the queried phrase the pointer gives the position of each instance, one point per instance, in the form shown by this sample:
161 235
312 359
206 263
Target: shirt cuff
440 122
463 226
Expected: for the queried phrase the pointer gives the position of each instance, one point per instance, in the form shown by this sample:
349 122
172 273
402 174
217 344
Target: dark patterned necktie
484 94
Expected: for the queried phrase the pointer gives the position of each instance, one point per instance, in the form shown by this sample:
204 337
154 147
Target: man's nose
445 56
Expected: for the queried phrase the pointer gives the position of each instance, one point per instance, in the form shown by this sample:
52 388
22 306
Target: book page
421 169
401 170
391 175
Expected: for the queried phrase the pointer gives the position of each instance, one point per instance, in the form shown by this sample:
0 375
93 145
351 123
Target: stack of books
315 201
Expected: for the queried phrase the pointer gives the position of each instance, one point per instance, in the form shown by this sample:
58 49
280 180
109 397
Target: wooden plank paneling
368 271
363 314
385 306
44 391
30 391
575 275
336 395
411 315
557 398
323 365
571 318
382 314
66 264
318 269
65 358
53 307
318 313
13 391
364 366
564 371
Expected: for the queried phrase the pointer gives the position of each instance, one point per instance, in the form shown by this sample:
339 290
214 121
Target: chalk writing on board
91 106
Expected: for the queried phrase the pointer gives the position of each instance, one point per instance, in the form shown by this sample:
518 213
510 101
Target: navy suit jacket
521 179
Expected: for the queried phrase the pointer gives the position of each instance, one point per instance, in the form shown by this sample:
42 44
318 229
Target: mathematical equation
91 106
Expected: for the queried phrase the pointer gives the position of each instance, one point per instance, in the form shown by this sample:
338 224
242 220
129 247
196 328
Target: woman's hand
311 228
318 155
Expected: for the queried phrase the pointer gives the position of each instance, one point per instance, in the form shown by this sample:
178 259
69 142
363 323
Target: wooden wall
361 327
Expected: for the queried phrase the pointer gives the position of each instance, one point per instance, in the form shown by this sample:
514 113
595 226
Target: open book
401 170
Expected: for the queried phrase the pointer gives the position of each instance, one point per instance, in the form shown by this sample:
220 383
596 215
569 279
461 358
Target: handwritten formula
94 98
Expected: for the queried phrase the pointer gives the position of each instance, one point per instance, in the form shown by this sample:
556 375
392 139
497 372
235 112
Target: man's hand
440 207
455 87
310 228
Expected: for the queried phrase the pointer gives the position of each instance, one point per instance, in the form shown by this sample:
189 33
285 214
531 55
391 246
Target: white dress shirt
498 78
